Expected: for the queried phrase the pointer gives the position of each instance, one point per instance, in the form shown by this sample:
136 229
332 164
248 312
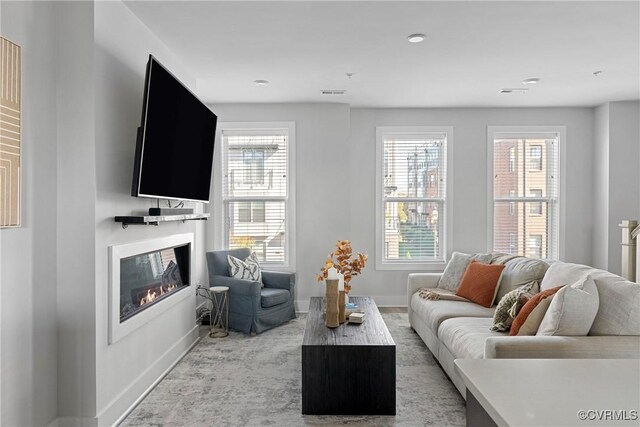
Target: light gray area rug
244 381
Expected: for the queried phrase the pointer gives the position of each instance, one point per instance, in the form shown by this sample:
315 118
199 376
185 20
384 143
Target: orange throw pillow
526 310
480 282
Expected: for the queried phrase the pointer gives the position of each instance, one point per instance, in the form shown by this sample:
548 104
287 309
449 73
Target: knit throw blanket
435 294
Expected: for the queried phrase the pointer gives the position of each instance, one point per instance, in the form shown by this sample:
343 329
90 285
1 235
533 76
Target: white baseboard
117 410
74 422
302 306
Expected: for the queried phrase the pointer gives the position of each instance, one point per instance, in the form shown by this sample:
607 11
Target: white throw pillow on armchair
247 269
572 310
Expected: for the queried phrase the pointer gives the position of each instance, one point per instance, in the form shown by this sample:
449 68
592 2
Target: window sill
427 266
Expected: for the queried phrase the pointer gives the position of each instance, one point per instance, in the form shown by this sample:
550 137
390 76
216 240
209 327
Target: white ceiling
473 49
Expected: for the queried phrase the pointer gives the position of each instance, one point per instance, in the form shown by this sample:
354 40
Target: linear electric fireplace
147 278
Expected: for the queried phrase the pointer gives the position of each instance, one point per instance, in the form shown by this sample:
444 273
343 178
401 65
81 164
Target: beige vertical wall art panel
10 83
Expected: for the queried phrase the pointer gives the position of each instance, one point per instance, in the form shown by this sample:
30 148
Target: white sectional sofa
459 329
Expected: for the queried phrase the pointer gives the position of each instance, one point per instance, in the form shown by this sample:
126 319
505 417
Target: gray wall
125 369
335 170
600 182
28 342
82 100
82 84
323 181
76 210
616 180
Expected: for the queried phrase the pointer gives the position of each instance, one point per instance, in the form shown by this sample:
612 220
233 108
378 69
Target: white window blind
525 194
255 192
413 197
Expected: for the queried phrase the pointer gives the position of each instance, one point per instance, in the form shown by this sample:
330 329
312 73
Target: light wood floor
392 309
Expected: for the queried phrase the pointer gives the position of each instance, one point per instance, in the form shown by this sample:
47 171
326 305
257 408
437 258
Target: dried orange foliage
345 262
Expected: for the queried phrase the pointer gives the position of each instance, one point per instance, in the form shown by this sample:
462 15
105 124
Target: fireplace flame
152 296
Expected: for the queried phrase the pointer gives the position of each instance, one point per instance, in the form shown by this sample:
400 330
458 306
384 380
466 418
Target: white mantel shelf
551 392
156 220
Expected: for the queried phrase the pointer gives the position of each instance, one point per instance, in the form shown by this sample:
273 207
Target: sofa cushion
465 336
480 283
529 307
518 272
619 309
433 313
271 296
572 310
456 267
531 324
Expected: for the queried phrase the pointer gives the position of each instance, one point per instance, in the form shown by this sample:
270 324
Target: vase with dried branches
345 262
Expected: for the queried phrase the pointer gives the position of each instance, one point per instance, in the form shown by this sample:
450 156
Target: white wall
468 192
82 101
323 180
335 169
624 175
600 182
76 210
125 369
616 178
28 339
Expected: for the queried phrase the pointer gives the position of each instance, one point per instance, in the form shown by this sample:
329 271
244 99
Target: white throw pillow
456 267
572 310
248 269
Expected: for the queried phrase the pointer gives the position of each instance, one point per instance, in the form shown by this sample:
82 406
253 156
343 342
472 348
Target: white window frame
417 265
524 132
217 233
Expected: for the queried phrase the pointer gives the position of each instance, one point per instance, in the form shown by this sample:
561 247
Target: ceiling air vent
515 90
333 91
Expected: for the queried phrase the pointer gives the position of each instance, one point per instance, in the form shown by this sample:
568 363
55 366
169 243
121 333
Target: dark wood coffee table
351 369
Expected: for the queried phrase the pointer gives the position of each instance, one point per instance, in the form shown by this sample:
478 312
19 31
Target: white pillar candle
332 274
340 282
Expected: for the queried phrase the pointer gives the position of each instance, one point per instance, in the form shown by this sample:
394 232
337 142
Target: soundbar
170 211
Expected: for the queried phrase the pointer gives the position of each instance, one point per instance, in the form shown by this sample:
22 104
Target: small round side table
219 317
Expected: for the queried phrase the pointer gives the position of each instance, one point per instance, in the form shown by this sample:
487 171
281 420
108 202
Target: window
253 162
535 158
526 202
412 197
534 249
535 208
512 205
251 212
256 195
512 159
513 243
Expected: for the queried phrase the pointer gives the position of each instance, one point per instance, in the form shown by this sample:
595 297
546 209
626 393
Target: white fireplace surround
118 330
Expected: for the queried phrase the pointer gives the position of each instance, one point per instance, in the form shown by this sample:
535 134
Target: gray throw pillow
456 267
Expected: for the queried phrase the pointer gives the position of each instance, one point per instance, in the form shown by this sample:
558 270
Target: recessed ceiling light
333 91
597 73
261 82
416 38
531 81
514 90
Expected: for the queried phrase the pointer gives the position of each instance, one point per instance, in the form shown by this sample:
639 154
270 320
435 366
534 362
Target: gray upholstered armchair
253 308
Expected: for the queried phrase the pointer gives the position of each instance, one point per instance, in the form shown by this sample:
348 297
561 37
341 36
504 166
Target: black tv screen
174 150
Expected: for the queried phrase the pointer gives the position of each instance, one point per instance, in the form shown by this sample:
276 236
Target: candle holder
331 319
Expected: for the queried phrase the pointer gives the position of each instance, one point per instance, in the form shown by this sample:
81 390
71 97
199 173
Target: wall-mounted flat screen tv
174 149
